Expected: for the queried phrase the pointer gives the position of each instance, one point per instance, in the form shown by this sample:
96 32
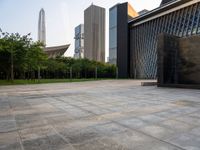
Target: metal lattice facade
143 37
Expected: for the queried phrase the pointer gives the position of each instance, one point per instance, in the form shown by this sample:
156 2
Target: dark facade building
180 18
134 50
179 61
120 15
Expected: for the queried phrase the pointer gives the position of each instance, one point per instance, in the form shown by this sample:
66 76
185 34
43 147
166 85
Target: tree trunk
12 68
38 73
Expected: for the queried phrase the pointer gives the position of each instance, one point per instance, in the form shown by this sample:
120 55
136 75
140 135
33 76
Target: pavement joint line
76 106
148 135
65 139
20 139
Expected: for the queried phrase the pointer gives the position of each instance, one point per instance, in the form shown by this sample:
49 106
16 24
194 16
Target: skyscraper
120 15
94 33
42 27
79 41
54 51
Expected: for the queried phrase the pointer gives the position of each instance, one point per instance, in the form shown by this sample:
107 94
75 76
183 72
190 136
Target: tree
35 58
18 53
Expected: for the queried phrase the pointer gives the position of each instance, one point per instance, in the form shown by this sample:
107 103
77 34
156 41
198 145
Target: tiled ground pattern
99 115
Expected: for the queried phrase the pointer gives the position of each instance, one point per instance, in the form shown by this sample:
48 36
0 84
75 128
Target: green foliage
21 51
29 61
22 82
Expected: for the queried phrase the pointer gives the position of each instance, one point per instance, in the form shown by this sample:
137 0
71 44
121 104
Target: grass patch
42 81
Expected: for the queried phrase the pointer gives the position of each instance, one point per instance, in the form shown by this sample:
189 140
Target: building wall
182 22
79 42
178 60
189 55
120 14
122 40
94 33
167 63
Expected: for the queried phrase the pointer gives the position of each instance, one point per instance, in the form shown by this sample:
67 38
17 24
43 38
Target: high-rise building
119 17
94 33
50 51
42 27
174 17
79 42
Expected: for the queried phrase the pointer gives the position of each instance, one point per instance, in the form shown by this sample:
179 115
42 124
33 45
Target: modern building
94 33
52 52
55 51
42 27
180 18
79 42
119 17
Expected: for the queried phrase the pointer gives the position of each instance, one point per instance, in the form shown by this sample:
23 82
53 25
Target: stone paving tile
158 132
100 144
195 131
152 118
133 123
189 119
7 126
13 146
80 136
36 132
186 141
139 141
110 129
10 141
100 115
53 142
178 126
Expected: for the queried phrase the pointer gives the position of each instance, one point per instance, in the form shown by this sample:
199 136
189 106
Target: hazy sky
61 17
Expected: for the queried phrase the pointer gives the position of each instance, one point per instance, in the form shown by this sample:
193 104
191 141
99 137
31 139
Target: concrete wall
178 60
189 54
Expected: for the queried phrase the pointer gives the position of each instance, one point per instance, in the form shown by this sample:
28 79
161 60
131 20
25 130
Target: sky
62 16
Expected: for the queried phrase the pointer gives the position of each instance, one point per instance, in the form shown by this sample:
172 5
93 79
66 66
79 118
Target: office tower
119 17
79 42
94 33
42 27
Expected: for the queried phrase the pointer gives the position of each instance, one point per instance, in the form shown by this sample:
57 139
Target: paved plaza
99 115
